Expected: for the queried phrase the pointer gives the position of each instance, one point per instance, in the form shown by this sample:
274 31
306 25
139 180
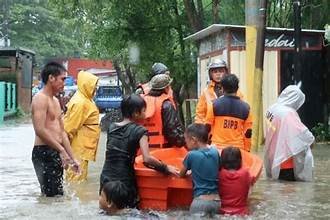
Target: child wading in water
113 197
124 140
235 183
204 162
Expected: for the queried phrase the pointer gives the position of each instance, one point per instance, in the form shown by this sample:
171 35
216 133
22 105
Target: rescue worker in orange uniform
217 69
164 127
230 117
156 69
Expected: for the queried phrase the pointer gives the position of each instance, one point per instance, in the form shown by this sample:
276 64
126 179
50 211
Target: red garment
234 188
288 164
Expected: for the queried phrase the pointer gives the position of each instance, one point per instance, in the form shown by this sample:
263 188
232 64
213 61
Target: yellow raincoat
81 123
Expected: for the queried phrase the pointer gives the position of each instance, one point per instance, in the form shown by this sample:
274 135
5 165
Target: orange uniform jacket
153 121
205 102
231 122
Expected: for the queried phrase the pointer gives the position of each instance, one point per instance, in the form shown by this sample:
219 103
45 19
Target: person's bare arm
152 161
65 140
66 144
183 172
39 113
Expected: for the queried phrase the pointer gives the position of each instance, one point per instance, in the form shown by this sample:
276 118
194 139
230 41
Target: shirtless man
52 150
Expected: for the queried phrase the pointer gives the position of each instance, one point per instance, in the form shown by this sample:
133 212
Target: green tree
315 13
35 25
202 13
156 28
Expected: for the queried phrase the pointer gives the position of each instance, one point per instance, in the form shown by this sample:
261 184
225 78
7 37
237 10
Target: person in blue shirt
204 162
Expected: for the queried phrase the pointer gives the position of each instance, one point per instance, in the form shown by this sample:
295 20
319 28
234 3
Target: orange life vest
146 89
153 121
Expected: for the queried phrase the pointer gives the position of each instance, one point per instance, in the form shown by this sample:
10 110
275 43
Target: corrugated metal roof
217 27
19 49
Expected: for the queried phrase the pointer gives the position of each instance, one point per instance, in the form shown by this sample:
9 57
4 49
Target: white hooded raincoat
287 136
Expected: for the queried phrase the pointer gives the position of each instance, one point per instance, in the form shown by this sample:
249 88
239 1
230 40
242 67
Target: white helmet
217 63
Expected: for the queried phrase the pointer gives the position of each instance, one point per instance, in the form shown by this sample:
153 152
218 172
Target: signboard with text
280 40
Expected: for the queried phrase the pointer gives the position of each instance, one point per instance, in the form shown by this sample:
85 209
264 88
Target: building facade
228 42
16 66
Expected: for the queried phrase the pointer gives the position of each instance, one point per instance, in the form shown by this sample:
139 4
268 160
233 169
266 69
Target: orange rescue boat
161 192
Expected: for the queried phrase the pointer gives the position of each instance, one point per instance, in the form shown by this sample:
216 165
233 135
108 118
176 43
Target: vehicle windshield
109 91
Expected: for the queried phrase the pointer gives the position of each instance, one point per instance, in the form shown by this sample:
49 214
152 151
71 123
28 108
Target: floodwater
20 194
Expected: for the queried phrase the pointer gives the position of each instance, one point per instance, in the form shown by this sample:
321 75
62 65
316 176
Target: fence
7 100
189 109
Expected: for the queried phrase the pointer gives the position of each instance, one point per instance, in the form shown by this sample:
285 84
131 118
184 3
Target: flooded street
20 193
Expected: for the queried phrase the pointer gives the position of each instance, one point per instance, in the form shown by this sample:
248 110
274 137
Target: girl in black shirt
123 141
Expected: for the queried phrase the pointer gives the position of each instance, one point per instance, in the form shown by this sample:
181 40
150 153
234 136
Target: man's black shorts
48 167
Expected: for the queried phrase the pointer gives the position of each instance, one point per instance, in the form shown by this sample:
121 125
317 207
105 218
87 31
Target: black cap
158 68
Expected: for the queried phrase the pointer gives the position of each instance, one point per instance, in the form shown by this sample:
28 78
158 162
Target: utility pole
255 19
251 19
297 41
257 106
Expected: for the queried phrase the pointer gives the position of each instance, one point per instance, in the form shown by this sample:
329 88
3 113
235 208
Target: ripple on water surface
20 194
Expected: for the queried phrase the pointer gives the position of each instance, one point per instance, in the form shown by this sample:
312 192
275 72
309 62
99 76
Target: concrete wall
270 77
